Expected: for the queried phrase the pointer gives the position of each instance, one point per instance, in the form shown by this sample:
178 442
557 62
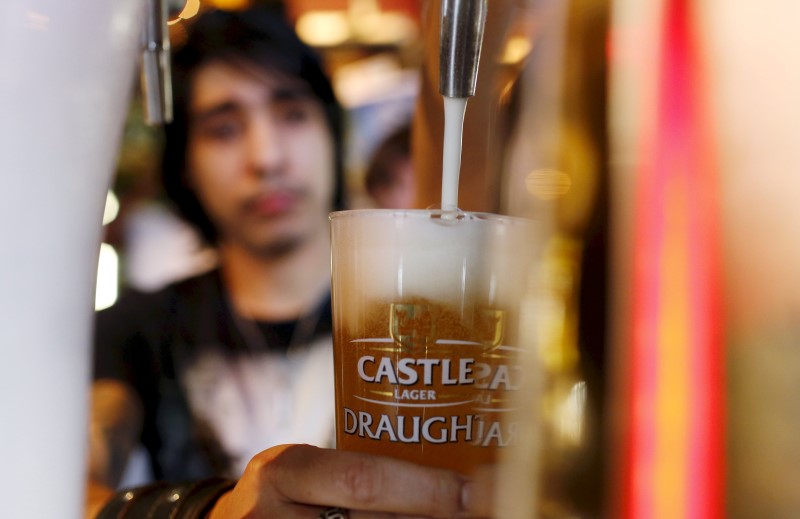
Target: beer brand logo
411 326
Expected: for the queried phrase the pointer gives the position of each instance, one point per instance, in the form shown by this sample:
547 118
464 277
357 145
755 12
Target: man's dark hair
259 37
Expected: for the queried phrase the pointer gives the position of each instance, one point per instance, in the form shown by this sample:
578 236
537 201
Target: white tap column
66 70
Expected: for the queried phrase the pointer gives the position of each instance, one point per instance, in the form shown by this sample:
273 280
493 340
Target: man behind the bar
209 371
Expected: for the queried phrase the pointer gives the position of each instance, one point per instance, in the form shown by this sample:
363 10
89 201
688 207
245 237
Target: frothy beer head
463 259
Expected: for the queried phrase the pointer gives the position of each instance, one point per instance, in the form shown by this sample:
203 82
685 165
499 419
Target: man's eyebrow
291 93
279 95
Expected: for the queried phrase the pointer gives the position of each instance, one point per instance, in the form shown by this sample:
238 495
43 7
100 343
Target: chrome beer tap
461 38
156 76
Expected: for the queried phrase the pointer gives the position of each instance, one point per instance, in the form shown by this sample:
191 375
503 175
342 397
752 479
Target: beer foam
465 260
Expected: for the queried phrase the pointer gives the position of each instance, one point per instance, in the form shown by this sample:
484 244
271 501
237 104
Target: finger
362 482
478 493
357 514
378 515
295 511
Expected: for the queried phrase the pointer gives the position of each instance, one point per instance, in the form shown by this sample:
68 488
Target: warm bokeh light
107 277
190 9
112 208
571 415
324 28
363 22
229 4
385 28
516 50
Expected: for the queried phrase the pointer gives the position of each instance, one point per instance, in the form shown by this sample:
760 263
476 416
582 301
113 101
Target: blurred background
657 139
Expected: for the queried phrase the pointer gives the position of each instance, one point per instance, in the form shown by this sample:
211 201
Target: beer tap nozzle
156 74
461 38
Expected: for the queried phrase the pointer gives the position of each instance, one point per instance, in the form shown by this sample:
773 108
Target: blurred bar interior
657 141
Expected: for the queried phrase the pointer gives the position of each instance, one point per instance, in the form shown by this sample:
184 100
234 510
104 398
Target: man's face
260 157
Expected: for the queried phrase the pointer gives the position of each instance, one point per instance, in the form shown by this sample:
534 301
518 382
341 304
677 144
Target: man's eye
295 113
222 131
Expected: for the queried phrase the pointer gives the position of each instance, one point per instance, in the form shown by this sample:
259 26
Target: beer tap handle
156 74
461 38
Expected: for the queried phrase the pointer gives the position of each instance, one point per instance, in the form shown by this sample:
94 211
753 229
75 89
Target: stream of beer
454 110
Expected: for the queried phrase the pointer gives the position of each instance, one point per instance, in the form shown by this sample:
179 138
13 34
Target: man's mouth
273 204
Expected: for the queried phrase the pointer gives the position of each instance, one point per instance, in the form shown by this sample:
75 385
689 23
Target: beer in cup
426 309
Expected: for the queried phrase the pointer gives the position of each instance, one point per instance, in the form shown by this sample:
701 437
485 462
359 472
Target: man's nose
265 149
